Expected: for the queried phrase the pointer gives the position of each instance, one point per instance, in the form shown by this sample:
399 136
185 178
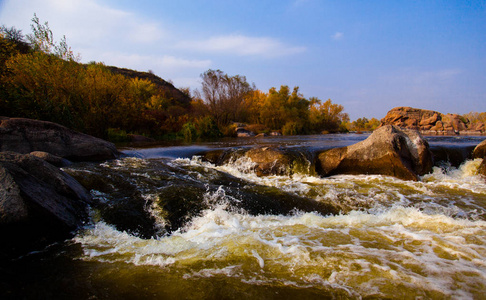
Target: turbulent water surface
166 224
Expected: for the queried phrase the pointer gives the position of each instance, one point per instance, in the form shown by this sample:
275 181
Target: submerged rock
270 161
390 150
38 203
264 161
27 135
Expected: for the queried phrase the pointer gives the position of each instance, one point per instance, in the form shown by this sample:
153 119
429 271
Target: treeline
42 79
229 99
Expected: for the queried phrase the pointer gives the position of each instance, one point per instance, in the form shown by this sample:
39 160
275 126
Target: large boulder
26 135
390 150
480 150
39 203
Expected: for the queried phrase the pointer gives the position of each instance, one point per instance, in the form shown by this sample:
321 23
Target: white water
397 239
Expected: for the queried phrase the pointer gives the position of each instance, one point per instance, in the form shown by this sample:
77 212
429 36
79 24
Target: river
167 225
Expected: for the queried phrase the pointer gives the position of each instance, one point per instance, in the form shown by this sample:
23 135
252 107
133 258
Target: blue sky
368 56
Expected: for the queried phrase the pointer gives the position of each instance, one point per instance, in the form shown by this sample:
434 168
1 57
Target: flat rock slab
26 135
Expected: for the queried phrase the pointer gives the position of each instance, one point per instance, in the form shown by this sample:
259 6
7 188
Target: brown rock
480 150
482 168
457 123
430 121
26 135
265 160
439 126
270 161
402 153
409 117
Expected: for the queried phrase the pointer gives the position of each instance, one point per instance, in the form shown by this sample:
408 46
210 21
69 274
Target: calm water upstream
166 225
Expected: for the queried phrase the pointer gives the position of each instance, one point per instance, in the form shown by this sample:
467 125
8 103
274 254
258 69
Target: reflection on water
168 225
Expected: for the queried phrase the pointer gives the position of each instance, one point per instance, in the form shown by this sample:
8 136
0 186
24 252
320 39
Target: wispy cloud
337 36
85 21
243 46
146 62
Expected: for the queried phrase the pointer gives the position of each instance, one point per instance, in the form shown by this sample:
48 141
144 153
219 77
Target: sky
368 56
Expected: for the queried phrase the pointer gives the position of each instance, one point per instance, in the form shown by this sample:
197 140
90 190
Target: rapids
166 224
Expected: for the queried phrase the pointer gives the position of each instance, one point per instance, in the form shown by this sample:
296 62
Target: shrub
189 132
292 128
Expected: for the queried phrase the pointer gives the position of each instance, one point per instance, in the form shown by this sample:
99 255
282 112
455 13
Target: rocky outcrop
390 150
39 203
431 122
26 135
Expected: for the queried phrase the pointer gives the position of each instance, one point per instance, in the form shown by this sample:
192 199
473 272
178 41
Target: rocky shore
40 203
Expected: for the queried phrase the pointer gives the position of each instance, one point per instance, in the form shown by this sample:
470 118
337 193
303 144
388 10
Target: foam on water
451 191
394 238
401 248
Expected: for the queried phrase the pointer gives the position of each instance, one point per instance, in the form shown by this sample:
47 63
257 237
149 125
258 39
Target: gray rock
51 158
39 203
26 135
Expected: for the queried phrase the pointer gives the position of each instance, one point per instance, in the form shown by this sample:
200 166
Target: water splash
368 253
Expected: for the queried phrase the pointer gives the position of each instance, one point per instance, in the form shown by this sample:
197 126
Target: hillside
167 88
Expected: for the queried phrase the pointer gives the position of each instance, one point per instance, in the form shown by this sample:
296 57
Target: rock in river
27 135
480 152
39 203
390 150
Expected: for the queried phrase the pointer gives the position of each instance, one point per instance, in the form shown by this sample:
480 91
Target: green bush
207 128
116 135
189 132
292 128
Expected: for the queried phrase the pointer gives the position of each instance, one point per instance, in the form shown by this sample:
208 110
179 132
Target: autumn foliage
42 79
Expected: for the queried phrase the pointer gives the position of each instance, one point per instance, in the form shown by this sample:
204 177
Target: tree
327 116
42 40
224 95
